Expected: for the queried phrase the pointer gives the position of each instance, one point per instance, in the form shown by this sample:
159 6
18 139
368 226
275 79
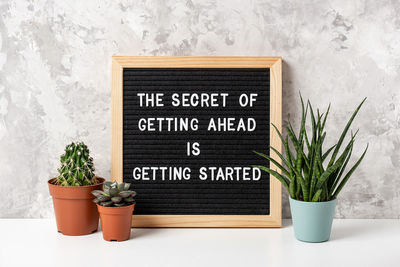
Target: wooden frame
275 66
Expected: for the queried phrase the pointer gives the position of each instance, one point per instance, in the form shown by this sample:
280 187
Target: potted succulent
75 211
115 204
312 175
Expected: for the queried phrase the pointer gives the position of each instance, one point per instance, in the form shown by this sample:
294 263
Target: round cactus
76 166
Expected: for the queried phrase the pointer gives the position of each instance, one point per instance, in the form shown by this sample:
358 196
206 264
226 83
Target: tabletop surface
35 242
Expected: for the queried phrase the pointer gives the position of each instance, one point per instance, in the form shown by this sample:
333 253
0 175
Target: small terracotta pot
116 222
75 211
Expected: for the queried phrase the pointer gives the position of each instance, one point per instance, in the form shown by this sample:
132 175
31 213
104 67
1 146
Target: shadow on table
348 231
142 232
341 230
344 231
286 223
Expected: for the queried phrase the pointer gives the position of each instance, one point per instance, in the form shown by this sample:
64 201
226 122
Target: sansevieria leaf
283 180
347 176
304 174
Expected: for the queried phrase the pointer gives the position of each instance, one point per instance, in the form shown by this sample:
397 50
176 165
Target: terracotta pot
116 222
75 211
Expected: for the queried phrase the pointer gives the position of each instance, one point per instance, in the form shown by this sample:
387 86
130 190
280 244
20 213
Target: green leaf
277 131
304 187
324 177
347 176
289 158
343 135
274 162
326 116
129 199
340 173
106 191
126 186
313 123
103 198
121 204
303 120
319 129
292 136
116 199
316 196
283 180
315 173
107 184
299 160
342 157
292 189
327 153
114 191
280 156
307 143
298 189
289 154
125 193
97 193
106 204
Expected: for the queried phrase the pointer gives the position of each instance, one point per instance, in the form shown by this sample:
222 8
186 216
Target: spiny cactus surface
77 167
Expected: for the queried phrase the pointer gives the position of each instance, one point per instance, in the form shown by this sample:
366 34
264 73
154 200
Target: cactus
76 166
114 195
304 174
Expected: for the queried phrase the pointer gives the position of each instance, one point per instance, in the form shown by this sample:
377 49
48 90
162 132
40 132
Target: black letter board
187 139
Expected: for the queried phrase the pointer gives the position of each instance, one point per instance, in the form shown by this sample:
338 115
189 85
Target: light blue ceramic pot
312 221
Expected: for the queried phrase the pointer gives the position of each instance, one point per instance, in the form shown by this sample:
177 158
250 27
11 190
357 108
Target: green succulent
114 195
77 167
306 174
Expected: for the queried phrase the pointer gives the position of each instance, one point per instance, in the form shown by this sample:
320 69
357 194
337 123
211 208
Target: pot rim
123 207
116 211
313 203
50 182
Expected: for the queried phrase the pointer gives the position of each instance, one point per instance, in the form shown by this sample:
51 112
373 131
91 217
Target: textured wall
55 79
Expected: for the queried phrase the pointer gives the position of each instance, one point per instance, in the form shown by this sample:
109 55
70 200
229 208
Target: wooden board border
275 65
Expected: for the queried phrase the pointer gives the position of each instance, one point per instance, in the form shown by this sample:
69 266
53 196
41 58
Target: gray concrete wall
55 79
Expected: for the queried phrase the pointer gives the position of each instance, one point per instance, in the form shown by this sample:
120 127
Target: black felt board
220 149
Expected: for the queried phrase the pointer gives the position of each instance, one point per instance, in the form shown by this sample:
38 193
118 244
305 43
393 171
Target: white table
35 242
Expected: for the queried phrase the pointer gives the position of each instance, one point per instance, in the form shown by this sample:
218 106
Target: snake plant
309 172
